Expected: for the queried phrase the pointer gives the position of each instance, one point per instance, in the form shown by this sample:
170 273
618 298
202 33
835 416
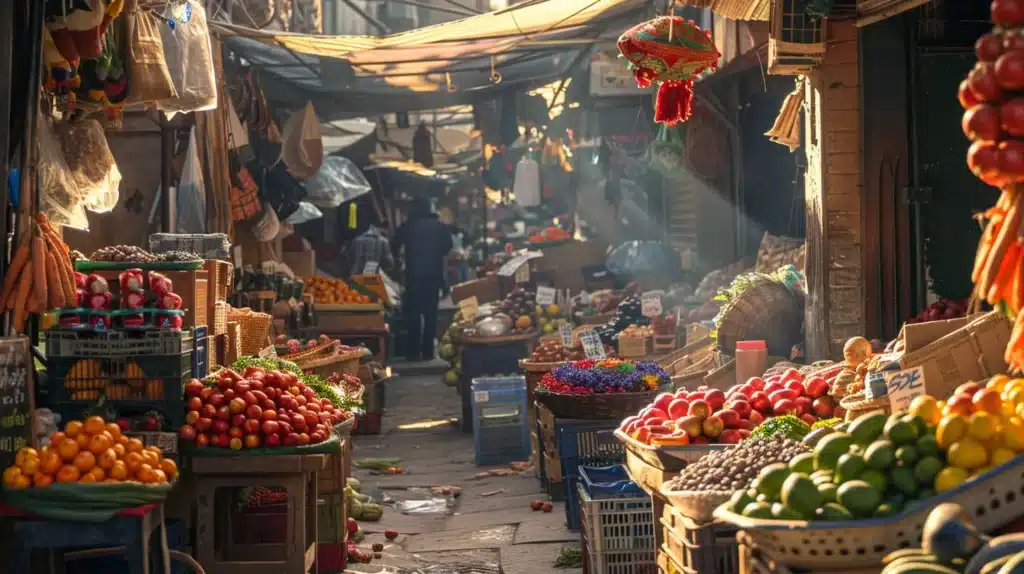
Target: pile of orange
89 452
330 291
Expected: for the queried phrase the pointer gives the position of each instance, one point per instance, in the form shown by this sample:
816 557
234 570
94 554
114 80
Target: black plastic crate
85 342
131 385
200 353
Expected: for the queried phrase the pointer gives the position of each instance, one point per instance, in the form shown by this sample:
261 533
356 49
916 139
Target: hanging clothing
526 186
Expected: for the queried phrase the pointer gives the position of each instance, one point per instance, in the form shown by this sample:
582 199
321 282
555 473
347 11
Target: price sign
593 348
167 442
546 295
875 385
481 396
584 298
371 268
904 387
469 307
650 303
565 331
16 398
523 273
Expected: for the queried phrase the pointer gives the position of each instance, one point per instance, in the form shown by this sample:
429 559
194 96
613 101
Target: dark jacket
426 241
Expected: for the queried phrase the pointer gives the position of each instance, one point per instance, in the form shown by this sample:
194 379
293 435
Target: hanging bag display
191 192
150 80
188 54
302 150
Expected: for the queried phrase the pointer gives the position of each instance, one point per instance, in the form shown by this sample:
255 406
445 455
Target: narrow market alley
489 528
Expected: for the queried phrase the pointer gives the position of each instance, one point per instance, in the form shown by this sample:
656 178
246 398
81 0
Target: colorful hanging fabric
671 51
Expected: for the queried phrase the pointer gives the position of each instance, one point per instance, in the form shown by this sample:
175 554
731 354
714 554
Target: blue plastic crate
584 443
501 431
200 353
609 482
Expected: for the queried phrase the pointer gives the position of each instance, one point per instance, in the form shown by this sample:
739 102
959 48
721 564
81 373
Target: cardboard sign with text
593 348
469 308
17 402
904 386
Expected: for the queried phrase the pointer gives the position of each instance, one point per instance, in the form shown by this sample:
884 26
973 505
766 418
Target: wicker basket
670 458
696 505
320 351
857 406
990 502
255 328
767 311
346 363
598 406
534 373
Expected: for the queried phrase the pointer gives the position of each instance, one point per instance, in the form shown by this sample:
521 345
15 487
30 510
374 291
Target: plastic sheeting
644 257
306 212
337 181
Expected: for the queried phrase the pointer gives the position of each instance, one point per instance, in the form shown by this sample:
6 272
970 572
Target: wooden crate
191 286
634 347
331 320
331 480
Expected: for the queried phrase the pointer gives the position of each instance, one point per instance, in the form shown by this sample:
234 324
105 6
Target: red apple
251 441
654 413
760 402
194 388
772 387
715 399
229 394
731 436
967 389
784 407
713 426
691 425
729 417
191 417
816 387
792 374
803 404
756 382
237 420
236 406
223 413
744 433
235 432
253 412
696 396
700 408
742 407
225 383
220 426
216 399
272 440
194 403
206 393
202 439
268 415
642 435
745 425
678 408
755 418
784 394
252 370
303 439
208 411
204 424
251 426
242 387
270 427
796 386
662 401
291 439
317 438
187 433
823 407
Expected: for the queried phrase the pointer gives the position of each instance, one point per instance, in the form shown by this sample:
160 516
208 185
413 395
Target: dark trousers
419 305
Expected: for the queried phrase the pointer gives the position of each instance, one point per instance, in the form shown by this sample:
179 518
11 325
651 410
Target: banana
994 566
902 553
993 550
1015 565
919 568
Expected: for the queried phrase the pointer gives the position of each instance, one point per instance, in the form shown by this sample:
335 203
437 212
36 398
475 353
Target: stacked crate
686 546
584 443
616 522
220 275
500 420
550 466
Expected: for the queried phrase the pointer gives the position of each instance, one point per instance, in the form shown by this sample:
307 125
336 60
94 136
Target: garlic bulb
856 351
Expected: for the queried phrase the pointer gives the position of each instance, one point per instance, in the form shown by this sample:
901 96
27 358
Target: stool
214 547
130 529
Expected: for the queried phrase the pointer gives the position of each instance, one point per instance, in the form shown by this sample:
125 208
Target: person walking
426 242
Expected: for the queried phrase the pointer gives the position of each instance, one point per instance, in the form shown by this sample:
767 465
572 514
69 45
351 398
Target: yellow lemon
998 382
1013 434
950 477
951 429
941 405
1000 456
979 471
1014 394
967 453
927 408
982 426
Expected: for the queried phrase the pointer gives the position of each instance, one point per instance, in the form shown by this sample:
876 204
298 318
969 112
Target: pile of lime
880 466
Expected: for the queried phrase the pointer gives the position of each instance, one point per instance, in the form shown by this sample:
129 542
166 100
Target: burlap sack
150 81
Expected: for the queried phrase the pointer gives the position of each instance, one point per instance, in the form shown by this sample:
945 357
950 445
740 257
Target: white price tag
650 303
904 387
371 268
593 348
565 331
481 396
267 267
523 273
546 295
469 307
584 298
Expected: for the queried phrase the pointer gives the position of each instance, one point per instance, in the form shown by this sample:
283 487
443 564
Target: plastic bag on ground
337 181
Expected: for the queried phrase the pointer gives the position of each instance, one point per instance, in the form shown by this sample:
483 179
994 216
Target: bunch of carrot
40 276
998 273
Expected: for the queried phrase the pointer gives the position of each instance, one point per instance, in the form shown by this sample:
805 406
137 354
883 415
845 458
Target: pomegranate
983 160
967 98
989 47
1007 13
982 122
1011 160
1011 115
1009 70
983 84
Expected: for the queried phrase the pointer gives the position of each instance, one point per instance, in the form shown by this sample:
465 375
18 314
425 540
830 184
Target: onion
1011 115
1011 160
983 84
981 123
983 160
967 98
1009 71
1007 13
989 47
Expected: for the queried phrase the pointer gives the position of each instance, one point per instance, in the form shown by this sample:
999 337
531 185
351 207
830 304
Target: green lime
885 509
783 512
904 479
830 448
770 479
902 431
758 510
828 491
859 497
895 499
927 445
833 511
908 454
867 428
803 462
849 467
876 479
800 494
822 480
740 499
918 422
927 469
880 455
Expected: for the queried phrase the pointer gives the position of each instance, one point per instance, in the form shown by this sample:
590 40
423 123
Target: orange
146 474
68 449
170 468
151 458
87 478
68 473
85 461
22 482
119 450
29 466
160 476
57 437
95 425
119 471
133 461
959 405
11 475
41 480
25 453
97 474
123 439
83 441
73 428
988 400
114 430
100 442
133 445
50 463
106 459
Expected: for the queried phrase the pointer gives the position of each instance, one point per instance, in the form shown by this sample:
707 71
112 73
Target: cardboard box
486 289
973 351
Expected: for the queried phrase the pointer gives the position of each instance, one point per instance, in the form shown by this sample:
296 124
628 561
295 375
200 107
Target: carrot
1008 231
54 277
21 301
39 268
1000 288
1017 291
13 270
64 268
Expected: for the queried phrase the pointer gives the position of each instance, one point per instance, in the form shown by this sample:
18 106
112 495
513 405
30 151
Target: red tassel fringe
673 103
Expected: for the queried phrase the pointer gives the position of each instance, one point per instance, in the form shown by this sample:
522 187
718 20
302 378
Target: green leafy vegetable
786 425
569 557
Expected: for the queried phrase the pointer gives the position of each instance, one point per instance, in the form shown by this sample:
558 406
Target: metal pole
166 156
6 48
29 151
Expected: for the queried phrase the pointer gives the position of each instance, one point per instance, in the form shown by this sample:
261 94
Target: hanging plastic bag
58 190
191 192
302 150
337 181
151 80
91 164
306 212
189 58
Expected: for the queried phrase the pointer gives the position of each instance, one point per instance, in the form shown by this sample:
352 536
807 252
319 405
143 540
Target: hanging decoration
671 51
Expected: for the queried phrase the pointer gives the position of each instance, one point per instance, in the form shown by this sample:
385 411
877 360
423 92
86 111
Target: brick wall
835 305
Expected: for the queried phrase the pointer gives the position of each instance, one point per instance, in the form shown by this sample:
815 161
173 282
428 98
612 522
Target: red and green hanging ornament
671 51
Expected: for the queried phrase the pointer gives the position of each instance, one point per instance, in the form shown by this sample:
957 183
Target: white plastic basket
618 534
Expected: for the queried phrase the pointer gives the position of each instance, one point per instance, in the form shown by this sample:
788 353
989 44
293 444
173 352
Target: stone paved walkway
490 528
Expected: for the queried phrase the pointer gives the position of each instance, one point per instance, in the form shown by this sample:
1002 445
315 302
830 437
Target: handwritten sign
16 398
593 348
904 387
371 268
546 295
481 396
469 307
167 442
565 331
650 303
875 385
522 274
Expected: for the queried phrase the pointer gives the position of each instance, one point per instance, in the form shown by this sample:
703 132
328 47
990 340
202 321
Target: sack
303 150
191 192
150 79
268 226
76 502
91 164
337 181
62 201
189 58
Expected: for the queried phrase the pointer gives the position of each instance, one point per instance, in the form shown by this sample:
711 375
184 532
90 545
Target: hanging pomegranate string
992 96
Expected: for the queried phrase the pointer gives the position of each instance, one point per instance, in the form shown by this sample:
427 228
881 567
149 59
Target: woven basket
318 352
767 311
255 328
609 406
534 373
696 505
343 363
857 406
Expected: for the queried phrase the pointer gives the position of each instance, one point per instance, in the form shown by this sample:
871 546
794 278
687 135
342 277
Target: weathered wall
835 306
